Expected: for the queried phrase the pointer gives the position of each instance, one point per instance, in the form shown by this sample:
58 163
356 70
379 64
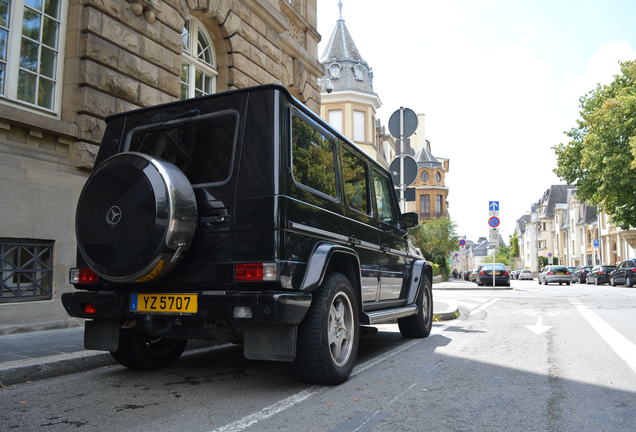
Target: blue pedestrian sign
595 242
493 222
493 205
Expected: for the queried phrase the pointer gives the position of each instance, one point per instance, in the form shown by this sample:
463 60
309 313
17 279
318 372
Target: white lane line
622 346
483 307
269 411
294 399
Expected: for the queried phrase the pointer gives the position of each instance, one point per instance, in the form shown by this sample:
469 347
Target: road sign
493 205
549 254
595 242
410 170
493 237
462 242
493 222
410 123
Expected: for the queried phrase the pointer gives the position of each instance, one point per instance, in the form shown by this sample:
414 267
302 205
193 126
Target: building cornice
350 96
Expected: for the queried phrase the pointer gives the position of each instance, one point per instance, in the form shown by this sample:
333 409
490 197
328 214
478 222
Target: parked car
553 274
467 275
241 216
599 275
515 274
580 274
525 275
571 269
625 274
501 275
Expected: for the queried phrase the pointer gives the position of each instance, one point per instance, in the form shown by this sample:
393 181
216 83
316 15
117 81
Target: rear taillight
567 273
481 273
82 276
601 272
633 269
506 273
550 273
255 272
89 309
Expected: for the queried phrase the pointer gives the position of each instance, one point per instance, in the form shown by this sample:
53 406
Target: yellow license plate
560 273
497 273
164 303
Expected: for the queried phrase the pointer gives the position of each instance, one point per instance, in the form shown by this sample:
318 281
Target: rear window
609 268
558 269
496 266
202 147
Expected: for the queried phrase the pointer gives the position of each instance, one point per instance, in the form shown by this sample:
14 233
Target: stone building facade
70 63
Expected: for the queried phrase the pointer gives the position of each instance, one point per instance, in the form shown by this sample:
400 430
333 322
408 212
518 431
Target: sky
498 80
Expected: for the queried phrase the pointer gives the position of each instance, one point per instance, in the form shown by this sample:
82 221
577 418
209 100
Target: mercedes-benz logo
113 215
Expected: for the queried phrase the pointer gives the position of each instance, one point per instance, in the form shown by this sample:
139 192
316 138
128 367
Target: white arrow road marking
538 328
619 343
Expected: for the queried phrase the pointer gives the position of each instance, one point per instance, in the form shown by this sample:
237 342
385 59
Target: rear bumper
499 280
558 279
266 307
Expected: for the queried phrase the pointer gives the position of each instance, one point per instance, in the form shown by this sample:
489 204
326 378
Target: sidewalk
460 284
50 353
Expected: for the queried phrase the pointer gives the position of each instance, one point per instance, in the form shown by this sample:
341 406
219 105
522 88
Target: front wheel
419 326
612 282
139 350
628 282
328 336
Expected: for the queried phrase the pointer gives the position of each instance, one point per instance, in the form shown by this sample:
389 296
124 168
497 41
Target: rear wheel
328 336
628 282
139 350
596 281
419 326
612 282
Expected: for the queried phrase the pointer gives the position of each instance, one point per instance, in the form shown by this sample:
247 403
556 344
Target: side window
355 179
382 188
313 158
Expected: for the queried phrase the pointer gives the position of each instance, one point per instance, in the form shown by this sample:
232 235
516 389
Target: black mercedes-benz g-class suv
241 216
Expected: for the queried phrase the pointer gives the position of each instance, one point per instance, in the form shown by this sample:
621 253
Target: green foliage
436 271
514 245
504 255
437 239
542 261
600 157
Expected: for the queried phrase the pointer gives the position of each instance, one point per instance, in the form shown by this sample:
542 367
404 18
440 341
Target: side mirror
409 220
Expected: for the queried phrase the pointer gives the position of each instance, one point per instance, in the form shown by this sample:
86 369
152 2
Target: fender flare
319 261
419 269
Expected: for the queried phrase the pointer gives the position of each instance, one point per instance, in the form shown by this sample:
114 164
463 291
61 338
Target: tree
514 245
503 255
600 158
436 239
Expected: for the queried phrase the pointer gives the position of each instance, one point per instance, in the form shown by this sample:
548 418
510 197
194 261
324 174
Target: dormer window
358 72
334 70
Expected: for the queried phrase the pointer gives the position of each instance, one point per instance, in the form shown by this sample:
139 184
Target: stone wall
120 55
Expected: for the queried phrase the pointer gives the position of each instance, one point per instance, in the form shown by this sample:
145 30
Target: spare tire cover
135 216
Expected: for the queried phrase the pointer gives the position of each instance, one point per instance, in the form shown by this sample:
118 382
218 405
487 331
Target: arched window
198 64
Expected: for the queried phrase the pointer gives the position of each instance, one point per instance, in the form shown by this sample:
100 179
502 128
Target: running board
386 315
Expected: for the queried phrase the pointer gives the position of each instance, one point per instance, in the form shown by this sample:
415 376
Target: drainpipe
600 236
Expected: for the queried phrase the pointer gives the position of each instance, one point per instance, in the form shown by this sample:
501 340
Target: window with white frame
30 33
358 125
198 64
335 119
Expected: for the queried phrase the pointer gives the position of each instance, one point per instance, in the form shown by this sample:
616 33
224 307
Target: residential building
68 64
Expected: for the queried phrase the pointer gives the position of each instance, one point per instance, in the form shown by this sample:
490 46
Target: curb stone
450 313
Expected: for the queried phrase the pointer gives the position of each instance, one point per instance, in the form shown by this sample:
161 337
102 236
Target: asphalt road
536 358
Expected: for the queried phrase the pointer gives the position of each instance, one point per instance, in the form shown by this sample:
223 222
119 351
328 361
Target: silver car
553 274
525 275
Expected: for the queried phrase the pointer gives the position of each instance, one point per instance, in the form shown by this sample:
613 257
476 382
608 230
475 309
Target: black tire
315 362
419 326
539 280
138 350
567 283
612 282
